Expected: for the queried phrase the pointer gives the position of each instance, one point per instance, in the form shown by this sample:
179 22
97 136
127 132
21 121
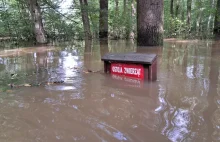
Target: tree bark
103 19
210 20
133 16
127 20
177 8
189 8
88 54
116 7
103 47
199 17
217 19
125 7
171 8
36 16
149 22
85 19
183 10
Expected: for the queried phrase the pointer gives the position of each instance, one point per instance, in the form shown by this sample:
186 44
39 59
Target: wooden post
153 71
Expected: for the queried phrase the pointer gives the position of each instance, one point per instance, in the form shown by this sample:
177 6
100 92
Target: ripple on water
60 88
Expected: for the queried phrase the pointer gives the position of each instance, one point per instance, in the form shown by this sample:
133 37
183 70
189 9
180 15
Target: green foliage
175 27
202 20
121 22
93 10
56 28
16 23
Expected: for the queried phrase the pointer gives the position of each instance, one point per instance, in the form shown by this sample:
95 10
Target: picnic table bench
137 65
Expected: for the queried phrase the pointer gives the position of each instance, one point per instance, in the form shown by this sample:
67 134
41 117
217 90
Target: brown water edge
26 50
182 105
176 40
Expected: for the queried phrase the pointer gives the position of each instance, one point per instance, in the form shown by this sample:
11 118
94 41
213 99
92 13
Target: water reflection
103 47
214 93
182 105
186 100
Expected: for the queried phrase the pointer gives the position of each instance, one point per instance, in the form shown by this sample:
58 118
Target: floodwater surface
60 93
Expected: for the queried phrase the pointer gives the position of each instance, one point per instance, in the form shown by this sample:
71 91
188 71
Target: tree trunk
36 16
125 7
88 54
210 20
183 10
85 19
126 20
88 46
115 25
133 16
189 8
149 22
103 19
116 7
217 19
103 47
171 8
199 17
177 8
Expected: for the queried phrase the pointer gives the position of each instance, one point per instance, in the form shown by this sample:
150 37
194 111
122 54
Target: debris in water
85 71
55 82
90 71
9 91
27 85
76 67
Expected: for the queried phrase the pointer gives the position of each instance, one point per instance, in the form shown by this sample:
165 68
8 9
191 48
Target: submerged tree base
150 37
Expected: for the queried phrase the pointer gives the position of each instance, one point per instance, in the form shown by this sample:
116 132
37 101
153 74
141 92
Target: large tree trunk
103 19
36 16
149 22
217 19
189 8
85 19
171 8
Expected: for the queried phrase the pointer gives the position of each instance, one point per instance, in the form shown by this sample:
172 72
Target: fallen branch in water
32 85
90 71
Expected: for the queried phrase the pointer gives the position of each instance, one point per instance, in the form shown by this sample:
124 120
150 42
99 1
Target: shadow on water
182 105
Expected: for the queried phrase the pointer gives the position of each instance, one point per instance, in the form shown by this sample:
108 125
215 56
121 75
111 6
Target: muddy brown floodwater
183 105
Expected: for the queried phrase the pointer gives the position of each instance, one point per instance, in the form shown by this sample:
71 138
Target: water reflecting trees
213 100
185 100
182 105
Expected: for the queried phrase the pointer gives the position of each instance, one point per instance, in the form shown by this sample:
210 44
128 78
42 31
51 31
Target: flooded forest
52 81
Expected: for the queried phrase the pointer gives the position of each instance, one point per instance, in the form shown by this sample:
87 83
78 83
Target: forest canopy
79 19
